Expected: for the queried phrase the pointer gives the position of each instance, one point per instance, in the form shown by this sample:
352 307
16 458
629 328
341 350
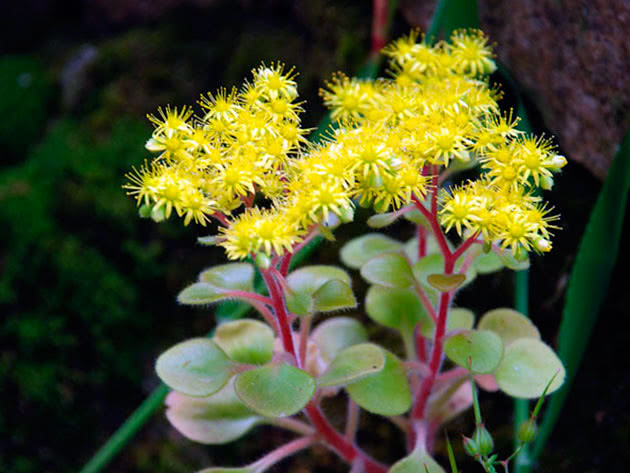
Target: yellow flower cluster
390 141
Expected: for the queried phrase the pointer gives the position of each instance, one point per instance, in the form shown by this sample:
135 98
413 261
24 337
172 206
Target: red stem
422 241
435 363
463 247
286 260
379 25
435 226
221 218
421 347
349 452
286 334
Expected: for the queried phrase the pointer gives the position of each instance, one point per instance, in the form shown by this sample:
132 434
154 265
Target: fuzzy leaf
396 308
334 295
482 347
353 364
389 270
527 366
299 303
359 251
232 276
209 240
196 367
418 461
434 264
309 279
382 220
217 419
446 282
275 390
338 333
509 324
246 341
386 392
201 293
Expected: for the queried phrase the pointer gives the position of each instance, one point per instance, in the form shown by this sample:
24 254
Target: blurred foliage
26 91
67 288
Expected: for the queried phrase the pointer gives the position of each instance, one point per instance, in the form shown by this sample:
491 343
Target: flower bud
543 245
558 162
347 214
145 211
263 261
546 182
470 446
483 439
158 214
527 431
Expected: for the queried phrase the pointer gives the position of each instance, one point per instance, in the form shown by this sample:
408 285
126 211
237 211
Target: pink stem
305 326
285 451
425 301
248 296
435 226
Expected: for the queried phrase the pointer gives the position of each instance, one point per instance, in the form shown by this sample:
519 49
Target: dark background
87 288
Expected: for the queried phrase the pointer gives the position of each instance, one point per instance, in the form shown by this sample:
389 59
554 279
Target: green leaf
232 276
359 251
337 333
509 324
246 341
512 262
382 220
201 293
588 283
334 295
275 390
209 240
386 392
418 218
309 279
458 319
446 282
486 263
481 347
411 247
434 264
217 419
299 303
397 308
527 367
389 270
196 367
418 461
352 364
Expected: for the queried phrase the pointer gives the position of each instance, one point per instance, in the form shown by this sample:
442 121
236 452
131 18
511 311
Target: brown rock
571 58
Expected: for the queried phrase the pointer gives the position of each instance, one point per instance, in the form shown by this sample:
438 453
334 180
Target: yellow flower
256 230
471 52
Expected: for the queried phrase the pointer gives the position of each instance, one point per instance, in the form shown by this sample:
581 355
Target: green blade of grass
589 280
453 14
